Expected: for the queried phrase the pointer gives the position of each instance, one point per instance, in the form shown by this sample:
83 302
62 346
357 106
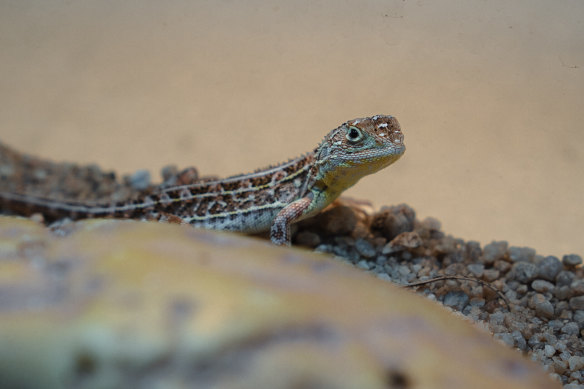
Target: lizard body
267 199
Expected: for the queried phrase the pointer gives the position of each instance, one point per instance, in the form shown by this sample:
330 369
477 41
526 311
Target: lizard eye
354 134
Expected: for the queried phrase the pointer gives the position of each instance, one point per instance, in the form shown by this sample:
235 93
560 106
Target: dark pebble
562 292
491 274
520 342
168 172
541 306
542 286
457 300
140 180
577 288
507 338
477 269
571 260
570 328
564 278
502 266
473 251
392 221
577 303
521 254
579 318
548 268
494 251
523 272
365 248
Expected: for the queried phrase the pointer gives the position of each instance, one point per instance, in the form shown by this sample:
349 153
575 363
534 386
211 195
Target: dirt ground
489 95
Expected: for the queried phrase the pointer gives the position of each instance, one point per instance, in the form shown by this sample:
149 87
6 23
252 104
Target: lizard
271 199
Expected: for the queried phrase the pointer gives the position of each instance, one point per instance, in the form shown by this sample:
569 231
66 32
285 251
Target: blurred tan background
489 94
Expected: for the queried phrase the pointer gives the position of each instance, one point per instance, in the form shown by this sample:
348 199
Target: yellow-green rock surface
120 304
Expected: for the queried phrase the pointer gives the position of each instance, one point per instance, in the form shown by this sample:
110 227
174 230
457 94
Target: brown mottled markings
271 198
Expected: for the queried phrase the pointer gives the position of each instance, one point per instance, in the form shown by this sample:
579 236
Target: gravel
546 295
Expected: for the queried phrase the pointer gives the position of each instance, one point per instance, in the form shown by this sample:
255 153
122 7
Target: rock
506 338
548 268
392 221
571 260
564 278
542 286
577 303
543 308
473 251
140 180
577 288
576 362
521 254
570 328
519 340
562 292
549 350
477 269
404 241
523 272
493 251
491 275
129 304
579 318
573 386
456 300
364 248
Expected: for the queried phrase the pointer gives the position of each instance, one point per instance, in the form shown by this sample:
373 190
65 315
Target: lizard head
357 148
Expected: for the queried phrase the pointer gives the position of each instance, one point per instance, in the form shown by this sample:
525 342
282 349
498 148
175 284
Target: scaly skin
267 199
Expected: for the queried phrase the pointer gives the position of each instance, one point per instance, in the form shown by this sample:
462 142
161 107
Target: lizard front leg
280 231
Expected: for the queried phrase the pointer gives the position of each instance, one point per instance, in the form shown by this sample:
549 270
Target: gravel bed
545 294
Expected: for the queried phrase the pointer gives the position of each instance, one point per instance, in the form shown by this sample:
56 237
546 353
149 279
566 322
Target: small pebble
543 308
365 248
564 278
559 365
573 386
579 318
521 254
562 293
506 337
477 269
572 260
493 251
577 303
491 275
577 288
473 251
548 268
576 362
520 342
457 300
140 180
570 328
502 266
523 272
549 350
168 173
542 286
